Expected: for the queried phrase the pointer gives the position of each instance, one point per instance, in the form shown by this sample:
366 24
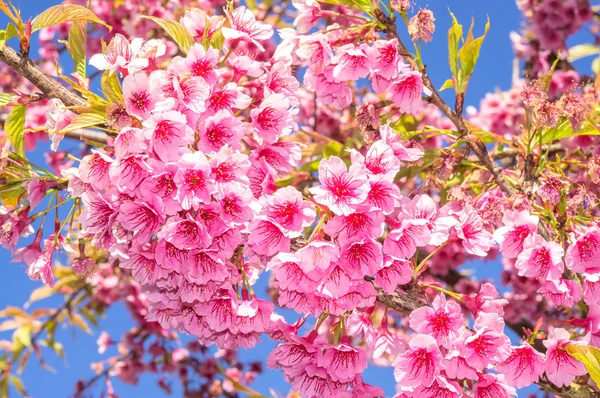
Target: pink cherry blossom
581 255
560 367
518 225
523 367
245 27
405 91
351 63
420 364
442 320
540 258
341 188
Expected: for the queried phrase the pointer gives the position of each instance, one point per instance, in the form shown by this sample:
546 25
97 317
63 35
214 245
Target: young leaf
111 87
65 13
447 84
76 46
469 54
84 120
5 98
581 51
6 35
14 126
177 31
589 356
454 36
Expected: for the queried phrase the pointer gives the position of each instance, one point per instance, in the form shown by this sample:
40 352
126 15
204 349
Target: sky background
494 71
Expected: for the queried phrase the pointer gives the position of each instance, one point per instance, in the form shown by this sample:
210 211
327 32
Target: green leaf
217 40
565 130
65 13
547 77
17 384
5 98
447 84
111 87
454 35
589 356
177 31
14 126
76 46
469 54
84 120
333 148
581 51
23 335
363 5
596 65
6 35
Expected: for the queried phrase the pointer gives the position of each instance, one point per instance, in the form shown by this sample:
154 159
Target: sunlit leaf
363 5
177 31
589 356
454 36
5 98
78 321
447 84
84 120
76 46
14 126
6 35
23 335
111 87
565 130
581 51
17 383
14 312
469 54
65 13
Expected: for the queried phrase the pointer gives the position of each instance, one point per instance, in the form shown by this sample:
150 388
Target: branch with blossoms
357 193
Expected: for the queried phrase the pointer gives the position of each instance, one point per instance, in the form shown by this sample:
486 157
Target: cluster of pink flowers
199 196
552 21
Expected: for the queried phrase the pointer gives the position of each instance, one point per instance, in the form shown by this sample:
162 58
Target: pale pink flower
421 26
167 132
328 90
218 130
405 91
245 27
196 22
341 188
272 119
475 239
288 209
441 387
342 361
419 364
385 59
140 99
493 386
120 55
560 367
582 255
518 225
442 320
523 367
540 258
193 180
309 11
393 273
351 63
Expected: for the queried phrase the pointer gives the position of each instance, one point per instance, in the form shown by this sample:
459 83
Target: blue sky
493 71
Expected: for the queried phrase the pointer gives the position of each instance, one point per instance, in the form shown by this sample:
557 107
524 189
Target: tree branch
50 87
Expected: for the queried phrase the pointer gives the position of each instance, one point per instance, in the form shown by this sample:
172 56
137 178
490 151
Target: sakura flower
355 225
167 133
441 387
518 225
328 90
94 169
120 55
419 364
200 62
491 385
405 91
140 218
384 55
393 273
57 119
351 63
309 12
562 292
489 344
400 150
272 119
227 98
540 258
442 320
523 367
266 237
139 99
342 361
245 27
218 130
379 160
582 254
421 26
475 239
560 367
193 180
196 22
341 188
287 208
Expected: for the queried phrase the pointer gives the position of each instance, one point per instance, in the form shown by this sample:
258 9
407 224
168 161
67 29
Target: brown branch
50 88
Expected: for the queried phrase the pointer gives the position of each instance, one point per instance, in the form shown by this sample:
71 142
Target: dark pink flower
523 367
419 364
